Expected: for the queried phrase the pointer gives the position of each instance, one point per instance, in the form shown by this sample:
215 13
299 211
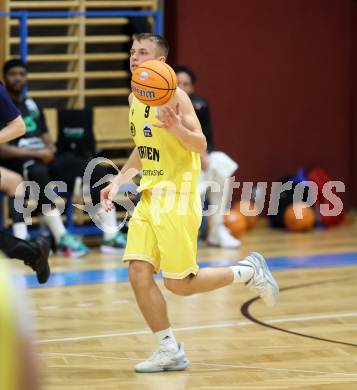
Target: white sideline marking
241 366
200 327
85 304
49 307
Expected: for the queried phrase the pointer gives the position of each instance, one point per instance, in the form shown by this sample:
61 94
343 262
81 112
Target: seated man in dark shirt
33 252
216 165
34 156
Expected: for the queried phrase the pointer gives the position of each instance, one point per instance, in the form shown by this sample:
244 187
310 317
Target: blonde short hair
160 41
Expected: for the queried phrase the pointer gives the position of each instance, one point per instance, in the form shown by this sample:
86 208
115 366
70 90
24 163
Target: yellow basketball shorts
163 231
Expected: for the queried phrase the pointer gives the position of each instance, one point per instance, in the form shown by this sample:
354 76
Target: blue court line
121 274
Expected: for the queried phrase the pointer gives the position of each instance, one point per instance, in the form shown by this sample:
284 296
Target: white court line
200 327
49 307
220 365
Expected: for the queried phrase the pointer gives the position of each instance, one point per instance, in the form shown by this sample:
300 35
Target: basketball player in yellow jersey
164 227
17 368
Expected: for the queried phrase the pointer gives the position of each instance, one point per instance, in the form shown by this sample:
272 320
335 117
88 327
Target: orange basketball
246 207
236 223
153 83
293 223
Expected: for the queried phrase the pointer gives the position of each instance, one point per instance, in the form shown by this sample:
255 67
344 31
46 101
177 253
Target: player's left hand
169 119
107 195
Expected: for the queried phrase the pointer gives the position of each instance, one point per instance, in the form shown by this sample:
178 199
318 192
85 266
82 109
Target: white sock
20 230
242 272
109 223
220 199
167 339
54 222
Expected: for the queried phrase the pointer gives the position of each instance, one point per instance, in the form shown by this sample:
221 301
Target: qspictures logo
304 195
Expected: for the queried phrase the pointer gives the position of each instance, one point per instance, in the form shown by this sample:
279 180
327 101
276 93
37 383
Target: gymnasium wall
354 105
278 76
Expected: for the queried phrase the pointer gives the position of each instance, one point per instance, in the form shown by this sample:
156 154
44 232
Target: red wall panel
278 77
354 107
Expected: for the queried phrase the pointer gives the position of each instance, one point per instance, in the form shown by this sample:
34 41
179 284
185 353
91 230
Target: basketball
246 208
236 223
293 223
153 83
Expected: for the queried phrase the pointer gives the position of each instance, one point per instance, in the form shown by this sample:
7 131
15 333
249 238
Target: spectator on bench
34 156
216 165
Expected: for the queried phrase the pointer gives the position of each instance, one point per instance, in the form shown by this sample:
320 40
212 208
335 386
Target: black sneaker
41 266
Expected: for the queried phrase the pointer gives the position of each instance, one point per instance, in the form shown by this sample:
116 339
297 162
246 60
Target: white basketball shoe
165 360
263 281
220 236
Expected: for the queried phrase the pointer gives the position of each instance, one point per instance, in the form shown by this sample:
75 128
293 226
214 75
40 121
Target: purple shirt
8 111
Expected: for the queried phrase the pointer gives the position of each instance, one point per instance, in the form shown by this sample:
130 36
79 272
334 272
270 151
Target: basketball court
90 332
280 83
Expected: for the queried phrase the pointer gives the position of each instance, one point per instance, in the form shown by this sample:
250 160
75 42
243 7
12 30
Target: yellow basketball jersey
166 163
9 347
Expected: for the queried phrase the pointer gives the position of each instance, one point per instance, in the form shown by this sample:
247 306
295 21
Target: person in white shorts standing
216 166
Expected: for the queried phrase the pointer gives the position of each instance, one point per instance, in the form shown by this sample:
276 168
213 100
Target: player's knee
10 185
178 287
16 180
140 273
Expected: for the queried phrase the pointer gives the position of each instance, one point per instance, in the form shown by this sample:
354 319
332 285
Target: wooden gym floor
90 332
